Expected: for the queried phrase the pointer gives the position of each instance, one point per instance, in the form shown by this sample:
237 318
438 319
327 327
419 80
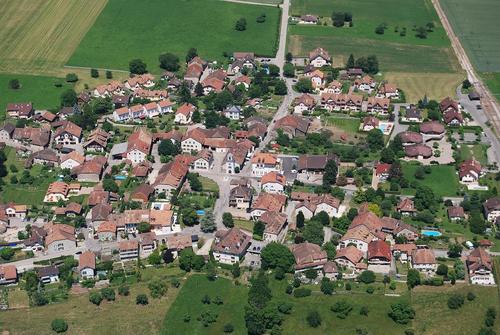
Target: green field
476 151
493 82
126 30
36 89
443 179
189 302
350 125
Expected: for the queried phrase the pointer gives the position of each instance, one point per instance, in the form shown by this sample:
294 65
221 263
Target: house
316 204
244 81
106 231
100 213
410 138
13 210
177 242
379 256
151 110
453 118
455 213
353 73
138 81
147 244
308 256
163 221
293 125
382 171
121 114
65 112
68 134
60 237
139 146
48 274
235 159
86 265
97 141
142 193
412 114
319 57
37 138
56 191
6 132
240 197
378 105
369 123
263 163
45 157
335 87
8 274
233 112
403 252
120 101
331 271
212 84
91 170
184 113
128 250
108 90
72 160
366 84
20 110
308 19
230 245
418 151
423 260
432 130
469 171
204 160
45 117
349 257
491 209
313 165
448 104
71 210
406 207
267 202
359 236
275 226
387 90
480 267
170 178
317 79
273 182
303 103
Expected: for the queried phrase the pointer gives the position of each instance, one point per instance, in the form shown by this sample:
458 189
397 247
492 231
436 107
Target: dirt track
490 105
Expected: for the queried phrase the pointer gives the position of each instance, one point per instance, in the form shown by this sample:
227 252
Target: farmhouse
293 125
6 132
449 105
311 165
170 178
263 163
369 123
72 160
267 202
423 260
20 110
403 252
319 57
315 204
97 140
303 103
453 118
37 138
379 256
139 146
455 213
204 160
45 157
230 245
308 19
480 267
91 170
350 257
68 133
469 171
240 197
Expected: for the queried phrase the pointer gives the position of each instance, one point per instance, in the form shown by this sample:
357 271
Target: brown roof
101 211
308 255
243 55
70 128
379 249
232 241
107 227
492 204
319 52
367 219
21 108
274 221
185 109
351 253
9 272
59 232
140 140
36 136
468 166
370 121
72 207
128 245
378 102
423 256
46 155
410 137
305 99
215 83
269 202
406 248
273 177
406 205
58 187
294 122
179 242
94 166
478 259
448 103
315 162
456 212
87 260
264 158
171 174
142 192
161 218
451 115
431 127
74 155
418 150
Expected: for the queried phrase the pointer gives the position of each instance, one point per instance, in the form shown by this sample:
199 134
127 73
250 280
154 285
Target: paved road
398 127
488 101
27 264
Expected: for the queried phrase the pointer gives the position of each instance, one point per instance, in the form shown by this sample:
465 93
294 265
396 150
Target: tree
68 98
442 270
94 73
341 308
261 18
421 32
380 29
109 74
330 174
228 328
108 293
323 218
192 53
455 250
260 293
223 100
413 278
7 253
169 62
71 78
95 298
211 271
350 62
471 296
189 216
14 84
274 70
137 66
375 139
198 89
304 85
123 290
289 70
109 185
313 232
401 313
258 228
466 84
456 301
288 57
141 299
476 222
227 220
367 277
168 148
327 286
154 258
59 325
207 224
364 311
314 319
280 88
157 288
194 182
235 270
299 219
420 173
241 24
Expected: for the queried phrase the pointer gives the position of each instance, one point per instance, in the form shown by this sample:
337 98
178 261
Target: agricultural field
39 90
174 26
39 36
443 179
493 82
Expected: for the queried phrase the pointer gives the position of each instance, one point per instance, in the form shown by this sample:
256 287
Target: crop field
493 82
39 36
126 30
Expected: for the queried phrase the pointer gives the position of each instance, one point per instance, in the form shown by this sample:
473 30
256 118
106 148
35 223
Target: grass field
39 36
442 180
476 151
189 302
435 85
126 30
208 184
350 125
493 82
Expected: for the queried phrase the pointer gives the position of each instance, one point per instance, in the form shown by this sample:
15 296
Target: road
398 127
27 264
488 101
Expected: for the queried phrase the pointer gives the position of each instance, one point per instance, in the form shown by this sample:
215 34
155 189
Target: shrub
341 308
157 288
370 290
401 313
364 311
289 289
285 307
59 325
327 286
124 290
367 277
228 328
456 301
175 282
301 292
314 319
95 298
14 84
108 293
206 299
471 296
109 74
348 286
94 73
141 299
71 78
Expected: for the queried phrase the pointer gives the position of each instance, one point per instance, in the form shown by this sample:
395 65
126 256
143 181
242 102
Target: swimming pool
120 177
200 212
382 127
433 233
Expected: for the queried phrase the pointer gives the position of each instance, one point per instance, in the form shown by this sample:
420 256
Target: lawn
39 36
350 125
442 180
126 30
39 90
244 224
493 82
189 303
434 317
476 151
208 184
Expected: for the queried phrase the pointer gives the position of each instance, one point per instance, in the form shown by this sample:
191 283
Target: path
489 103
252 3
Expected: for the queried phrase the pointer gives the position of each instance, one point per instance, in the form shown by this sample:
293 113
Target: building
418 151
68 134
350 258
48 274
314 165
319 57
480 267
456 213
72 160
273 182
176 243
403 252
387 90
449 105
469 171
106 231
170 178
308 256
369 123
382 171
267 202
406 207
204 160
293 125
491 209
275 226
233 112
423 260
412 114
20 110
241 197
308 19
378 105
60 237
139 146
36 138
56 191
453 118
142 193
86 265
263 163
128 250
91 170
6 132
410 138
432 130
184 113
379 256
8 274
230 245
366 84
319 203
